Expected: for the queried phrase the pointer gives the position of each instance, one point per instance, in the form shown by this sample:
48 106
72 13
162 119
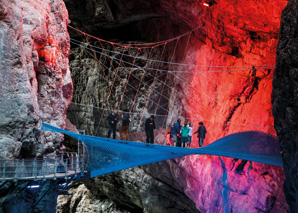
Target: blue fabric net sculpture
110 155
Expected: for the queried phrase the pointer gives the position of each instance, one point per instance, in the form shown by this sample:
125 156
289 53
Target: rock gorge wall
35 87
232 102
35 78
284 99
233 33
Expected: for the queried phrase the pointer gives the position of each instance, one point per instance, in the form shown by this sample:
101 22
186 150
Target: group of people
179 135
113 120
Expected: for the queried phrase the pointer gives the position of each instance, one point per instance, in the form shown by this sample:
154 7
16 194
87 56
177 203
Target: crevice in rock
240 167
225 193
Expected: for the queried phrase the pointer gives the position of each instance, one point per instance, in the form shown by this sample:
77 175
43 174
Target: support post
35 168
79 147
44 166
4 165
76 165
66 168
55 168
16 170
82 170
71 168
23 165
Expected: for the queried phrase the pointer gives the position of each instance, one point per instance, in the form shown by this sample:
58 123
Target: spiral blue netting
110 155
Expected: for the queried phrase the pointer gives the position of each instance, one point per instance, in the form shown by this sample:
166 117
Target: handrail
48 168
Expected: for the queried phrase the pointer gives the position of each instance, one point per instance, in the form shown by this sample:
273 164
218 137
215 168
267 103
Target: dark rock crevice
285 100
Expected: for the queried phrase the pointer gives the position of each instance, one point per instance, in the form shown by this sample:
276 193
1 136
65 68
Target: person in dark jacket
175 132
149 127
113 120
201 133
125 124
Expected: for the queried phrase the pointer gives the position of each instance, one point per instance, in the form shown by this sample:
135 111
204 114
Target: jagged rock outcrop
131 190
285 99
35 78
35 87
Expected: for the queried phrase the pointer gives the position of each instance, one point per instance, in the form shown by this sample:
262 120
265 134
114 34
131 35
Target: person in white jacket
189 134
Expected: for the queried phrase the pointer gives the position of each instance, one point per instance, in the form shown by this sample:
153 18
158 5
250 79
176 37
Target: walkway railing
42 168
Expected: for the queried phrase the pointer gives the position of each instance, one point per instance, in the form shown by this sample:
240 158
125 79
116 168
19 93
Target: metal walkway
42 169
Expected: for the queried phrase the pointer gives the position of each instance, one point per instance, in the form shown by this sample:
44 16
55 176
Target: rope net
134 77
110 155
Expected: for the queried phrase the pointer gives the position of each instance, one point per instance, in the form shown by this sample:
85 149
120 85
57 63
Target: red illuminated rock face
35 79
237 33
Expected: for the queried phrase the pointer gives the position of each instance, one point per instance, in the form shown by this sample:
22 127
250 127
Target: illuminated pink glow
230 102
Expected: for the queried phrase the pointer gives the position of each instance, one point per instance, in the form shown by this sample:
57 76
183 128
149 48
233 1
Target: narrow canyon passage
229 64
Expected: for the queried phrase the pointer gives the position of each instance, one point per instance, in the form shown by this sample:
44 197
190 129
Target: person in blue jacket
175 131
201 133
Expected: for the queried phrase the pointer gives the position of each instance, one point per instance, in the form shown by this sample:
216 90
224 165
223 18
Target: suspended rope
190 119
134 87
127 81
147 45
163 86
110 91
153 84
174 63
159 82
139 85
179 71
96 58
156 90
133 64
181 78
176 116
104 109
